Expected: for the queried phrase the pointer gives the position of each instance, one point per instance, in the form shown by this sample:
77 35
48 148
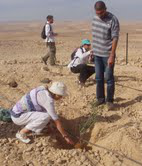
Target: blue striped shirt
104 31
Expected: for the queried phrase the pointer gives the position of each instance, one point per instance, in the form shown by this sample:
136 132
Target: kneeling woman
36 109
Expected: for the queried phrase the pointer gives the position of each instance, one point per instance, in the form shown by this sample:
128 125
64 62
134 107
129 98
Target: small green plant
90 121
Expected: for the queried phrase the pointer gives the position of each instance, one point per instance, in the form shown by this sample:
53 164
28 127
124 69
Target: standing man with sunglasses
105 29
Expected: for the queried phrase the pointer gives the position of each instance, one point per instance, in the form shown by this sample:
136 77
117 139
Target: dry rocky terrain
116 136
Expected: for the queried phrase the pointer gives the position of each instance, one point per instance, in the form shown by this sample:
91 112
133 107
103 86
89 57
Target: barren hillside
116 136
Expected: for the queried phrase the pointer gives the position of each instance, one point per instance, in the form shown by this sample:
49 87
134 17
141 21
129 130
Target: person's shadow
128 103
125 78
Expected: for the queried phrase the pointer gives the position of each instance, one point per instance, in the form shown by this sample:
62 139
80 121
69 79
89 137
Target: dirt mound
121 139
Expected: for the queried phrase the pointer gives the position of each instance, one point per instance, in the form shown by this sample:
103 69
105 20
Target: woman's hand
68 140
63 132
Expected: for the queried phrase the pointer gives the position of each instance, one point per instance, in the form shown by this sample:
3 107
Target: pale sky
19 10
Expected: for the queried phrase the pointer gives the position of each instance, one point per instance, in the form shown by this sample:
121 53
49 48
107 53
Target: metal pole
127 48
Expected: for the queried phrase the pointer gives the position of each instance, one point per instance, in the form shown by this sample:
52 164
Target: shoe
22 137
52 64
98 103
81 84
110 106
44 61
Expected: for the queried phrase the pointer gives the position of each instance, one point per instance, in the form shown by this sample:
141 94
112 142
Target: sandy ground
116 135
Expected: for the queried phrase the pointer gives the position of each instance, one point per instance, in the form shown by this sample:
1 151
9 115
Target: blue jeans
103 71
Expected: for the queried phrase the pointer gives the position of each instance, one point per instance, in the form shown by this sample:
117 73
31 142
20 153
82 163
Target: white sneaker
110 106
22 137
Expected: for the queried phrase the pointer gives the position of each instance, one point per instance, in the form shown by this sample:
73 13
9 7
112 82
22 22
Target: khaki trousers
34 121
51 53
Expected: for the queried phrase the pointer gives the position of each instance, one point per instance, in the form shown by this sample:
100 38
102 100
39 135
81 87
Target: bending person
35 110
105 34
80 60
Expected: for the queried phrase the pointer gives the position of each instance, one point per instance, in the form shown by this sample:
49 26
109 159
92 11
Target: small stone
50 162
46 80
83 158
78 163
63 161
31 164
111 153
59 161
44 152
3 62
78 146
10 140
74 153
63 104
5 162
39 145
45 68
7 157
118 163
29 149
4 141
14 61
16 142
13 84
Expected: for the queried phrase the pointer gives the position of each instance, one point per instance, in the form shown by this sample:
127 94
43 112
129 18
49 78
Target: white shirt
79 58
45 100
49 33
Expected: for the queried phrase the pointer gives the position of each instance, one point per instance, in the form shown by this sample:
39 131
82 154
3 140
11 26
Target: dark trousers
51 53
84 70
104 71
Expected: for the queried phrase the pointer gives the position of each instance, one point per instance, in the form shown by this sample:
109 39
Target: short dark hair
100 5
49 17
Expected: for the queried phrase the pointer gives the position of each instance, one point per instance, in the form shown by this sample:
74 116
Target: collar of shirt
84 49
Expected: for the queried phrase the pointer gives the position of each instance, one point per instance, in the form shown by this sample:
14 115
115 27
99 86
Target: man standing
105 27
50 41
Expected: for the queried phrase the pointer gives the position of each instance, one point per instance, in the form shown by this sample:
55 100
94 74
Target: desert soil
116 135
